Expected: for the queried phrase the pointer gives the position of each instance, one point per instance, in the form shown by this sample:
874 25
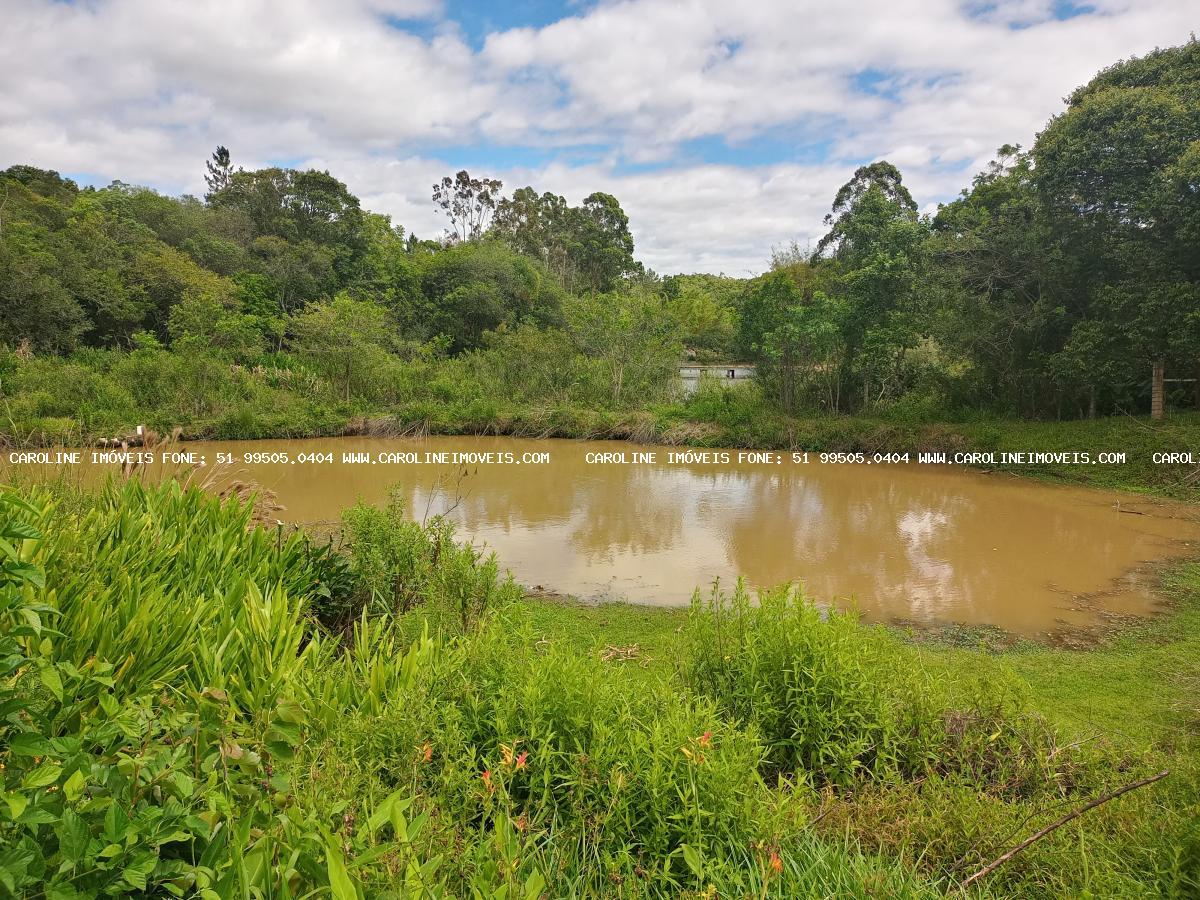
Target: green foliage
809 681
471 288
1064 280
200 324
878 185
533 365
878 244
791 327
1045 290
343 339
632 337
228 750
706 308
218 753
588 248
401 564
162 761
108 787
128 577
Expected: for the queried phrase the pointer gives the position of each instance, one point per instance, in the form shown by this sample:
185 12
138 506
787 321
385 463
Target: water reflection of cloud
932 585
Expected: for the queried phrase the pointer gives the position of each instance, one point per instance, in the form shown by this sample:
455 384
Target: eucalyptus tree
1009 294
589 247
539 226
468 202
875 246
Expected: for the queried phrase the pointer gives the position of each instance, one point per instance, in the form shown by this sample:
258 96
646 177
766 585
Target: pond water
920 543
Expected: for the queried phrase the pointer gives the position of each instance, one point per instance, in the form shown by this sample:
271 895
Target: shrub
123 775
732 406
562 746
401 564
808 680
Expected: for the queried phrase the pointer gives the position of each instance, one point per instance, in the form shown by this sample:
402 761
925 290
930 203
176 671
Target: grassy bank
198 705
104 394
1133 694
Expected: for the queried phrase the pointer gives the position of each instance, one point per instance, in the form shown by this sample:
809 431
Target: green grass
1131 700
1138 684
163 656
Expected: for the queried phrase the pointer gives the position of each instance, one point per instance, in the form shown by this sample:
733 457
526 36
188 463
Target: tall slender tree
220 171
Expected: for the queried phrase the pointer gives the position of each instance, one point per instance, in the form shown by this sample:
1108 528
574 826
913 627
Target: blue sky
723 128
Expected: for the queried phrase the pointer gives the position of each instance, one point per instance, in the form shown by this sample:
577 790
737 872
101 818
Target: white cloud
143 89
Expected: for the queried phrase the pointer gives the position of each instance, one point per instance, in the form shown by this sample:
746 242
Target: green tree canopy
1117 172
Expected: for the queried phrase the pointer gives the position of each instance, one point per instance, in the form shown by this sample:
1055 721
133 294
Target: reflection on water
906 542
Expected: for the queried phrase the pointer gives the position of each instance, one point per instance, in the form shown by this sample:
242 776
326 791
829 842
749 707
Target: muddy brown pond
919 543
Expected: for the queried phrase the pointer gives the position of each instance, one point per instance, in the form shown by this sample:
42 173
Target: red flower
487 780
706 739
521 757
776 863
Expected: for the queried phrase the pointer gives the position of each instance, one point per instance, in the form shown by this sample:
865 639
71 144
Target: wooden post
1156 391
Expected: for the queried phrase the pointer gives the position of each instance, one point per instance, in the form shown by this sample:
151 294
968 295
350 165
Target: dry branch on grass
1053 826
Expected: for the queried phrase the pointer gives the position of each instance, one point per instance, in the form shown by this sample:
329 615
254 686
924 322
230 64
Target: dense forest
1063 283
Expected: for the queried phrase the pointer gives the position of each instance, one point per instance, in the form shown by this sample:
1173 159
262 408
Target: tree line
1064 281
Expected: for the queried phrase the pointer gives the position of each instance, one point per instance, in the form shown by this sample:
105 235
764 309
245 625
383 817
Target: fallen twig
1005 857
624 654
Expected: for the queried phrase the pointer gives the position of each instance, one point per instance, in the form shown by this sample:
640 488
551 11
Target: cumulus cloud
389 95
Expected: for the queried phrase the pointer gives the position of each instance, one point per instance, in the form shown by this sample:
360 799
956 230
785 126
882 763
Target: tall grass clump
812 682
121 777
401 564
158 679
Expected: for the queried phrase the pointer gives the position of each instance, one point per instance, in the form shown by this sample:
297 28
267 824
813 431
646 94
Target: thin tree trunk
1092 402
1156 390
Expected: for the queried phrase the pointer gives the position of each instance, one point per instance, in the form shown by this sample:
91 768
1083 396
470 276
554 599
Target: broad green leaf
341 885
74 786
183 784
52 681
42 776
73 836
21 530
383 812
693 860
16 804
534 885
115 824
